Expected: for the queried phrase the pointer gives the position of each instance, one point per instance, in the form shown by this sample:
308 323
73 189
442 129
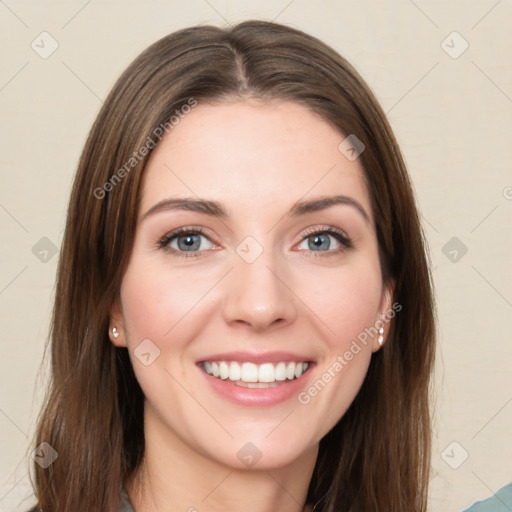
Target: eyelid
323 228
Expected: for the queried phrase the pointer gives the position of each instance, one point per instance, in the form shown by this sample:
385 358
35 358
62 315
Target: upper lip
257 358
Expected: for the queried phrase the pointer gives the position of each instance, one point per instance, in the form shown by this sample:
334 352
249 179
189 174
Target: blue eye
193 242
324 240
186 240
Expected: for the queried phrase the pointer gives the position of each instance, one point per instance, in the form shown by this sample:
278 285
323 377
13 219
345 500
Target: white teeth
280 371
235 371
251 373
266 373
223 370
290 371
261 385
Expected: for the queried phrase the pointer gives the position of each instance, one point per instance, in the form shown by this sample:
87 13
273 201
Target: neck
173 476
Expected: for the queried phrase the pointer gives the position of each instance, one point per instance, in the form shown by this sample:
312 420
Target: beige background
451 116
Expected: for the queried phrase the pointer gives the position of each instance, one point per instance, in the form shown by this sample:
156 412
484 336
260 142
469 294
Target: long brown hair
377 458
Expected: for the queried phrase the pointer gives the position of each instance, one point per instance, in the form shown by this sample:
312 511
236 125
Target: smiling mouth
251 375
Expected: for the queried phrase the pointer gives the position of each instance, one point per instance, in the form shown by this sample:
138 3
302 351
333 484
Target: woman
244 316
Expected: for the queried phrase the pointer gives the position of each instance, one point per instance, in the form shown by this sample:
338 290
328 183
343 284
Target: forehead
268 154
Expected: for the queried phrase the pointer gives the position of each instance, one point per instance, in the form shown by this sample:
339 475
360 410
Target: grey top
126 506
501 501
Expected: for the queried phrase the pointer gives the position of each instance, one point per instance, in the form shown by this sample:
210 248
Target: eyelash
338 234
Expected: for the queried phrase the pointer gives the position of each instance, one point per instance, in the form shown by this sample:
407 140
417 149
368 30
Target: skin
257 159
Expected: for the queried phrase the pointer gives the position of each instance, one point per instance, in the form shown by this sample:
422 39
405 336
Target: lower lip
240 395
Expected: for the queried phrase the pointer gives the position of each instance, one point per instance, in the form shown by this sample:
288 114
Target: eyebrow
215 209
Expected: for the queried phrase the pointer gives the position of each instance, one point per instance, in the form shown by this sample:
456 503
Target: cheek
155 299
347 303
346 300
159 304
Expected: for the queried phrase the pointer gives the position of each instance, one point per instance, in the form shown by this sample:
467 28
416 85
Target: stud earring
115 334
381 338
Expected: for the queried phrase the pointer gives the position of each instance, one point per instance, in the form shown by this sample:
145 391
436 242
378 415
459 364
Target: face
246 298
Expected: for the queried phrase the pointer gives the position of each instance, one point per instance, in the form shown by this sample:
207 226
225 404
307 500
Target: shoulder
499 502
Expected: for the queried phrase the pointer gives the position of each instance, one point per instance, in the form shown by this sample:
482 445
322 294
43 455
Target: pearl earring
381 338
115 334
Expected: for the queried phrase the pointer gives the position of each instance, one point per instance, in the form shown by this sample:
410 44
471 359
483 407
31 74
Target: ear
386 313
116 320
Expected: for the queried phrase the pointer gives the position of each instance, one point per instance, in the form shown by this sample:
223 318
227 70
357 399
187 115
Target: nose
258 296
